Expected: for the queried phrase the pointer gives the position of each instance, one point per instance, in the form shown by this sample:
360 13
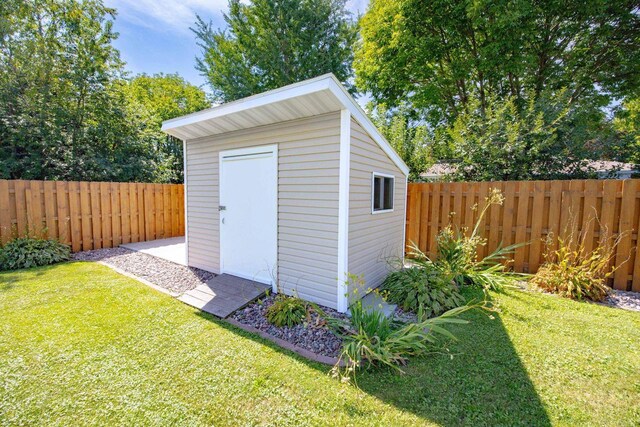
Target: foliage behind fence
91 215
531 210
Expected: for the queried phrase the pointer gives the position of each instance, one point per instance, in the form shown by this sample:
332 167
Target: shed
295 188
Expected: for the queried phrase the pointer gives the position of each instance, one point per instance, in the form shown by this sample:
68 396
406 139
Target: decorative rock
311 335
166 274
624 299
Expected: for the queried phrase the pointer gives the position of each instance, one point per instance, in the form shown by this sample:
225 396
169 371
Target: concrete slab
172 249
373 301
224 294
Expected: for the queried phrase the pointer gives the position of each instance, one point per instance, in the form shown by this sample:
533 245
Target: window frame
375 175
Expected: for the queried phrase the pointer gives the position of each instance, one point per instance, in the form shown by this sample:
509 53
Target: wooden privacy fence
91 215
531 210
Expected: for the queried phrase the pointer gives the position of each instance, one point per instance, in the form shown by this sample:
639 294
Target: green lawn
80 344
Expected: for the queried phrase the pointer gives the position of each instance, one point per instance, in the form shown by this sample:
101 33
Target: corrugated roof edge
316 84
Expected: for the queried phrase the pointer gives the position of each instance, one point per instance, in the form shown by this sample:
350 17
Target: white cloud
179 15
172 15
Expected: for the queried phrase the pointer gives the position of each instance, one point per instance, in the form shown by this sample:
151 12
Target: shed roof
320 95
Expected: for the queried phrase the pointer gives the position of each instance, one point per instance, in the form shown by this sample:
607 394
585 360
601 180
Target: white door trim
248 152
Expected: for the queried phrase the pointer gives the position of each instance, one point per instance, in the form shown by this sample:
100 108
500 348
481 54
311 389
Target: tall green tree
440 55
63 114
161 97
271 43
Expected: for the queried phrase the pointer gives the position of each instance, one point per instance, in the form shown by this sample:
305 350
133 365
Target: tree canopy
67 110
498 81
438 55
271 43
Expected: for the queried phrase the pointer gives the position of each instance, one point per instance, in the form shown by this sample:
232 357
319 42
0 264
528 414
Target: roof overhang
320 95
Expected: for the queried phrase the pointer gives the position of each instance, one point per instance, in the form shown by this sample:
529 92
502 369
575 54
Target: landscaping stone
166 274
624 299
313 335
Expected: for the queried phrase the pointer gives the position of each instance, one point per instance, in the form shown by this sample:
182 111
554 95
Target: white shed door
248 213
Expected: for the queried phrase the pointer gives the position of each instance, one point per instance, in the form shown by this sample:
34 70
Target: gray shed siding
308 168
374 240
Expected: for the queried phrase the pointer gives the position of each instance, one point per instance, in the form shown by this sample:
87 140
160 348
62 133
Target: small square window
382 197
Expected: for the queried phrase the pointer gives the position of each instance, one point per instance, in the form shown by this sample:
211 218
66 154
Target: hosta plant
26 252
422 288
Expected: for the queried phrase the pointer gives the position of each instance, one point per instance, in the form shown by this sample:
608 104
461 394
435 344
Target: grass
80 344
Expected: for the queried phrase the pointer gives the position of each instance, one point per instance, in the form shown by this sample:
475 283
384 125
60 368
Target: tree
271 43
543 140
67 110
627 125
412 141
441 55
162 97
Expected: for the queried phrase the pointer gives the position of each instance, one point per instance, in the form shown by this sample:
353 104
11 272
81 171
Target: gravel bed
624 299
166 274
313 336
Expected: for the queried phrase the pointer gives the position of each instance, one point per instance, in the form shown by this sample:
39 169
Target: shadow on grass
479 381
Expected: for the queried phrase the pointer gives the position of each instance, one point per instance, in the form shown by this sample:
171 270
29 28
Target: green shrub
26 252
371 340
573 272
457 257
423 289
287 311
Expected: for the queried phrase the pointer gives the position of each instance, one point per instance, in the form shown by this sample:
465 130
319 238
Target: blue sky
155 36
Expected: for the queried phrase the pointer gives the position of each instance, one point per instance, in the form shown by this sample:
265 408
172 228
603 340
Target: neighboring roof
320 95
438 170
609 166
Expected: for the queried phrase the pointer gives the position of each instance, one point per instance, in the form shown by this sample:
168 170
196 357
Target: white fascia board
287 92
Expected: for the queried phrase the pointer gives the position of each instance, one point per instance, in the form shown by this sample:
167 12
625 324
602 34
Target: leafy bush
26 252
287 311
573 272
457 255
423 289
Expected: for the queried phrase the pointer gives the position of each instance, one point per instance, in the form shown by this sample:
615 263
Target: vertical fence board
435 215
62 202
116 225
105 206
537 209
49 197
96 215
85 217
142 212
133 212
166 210
124 214
5 212
74 216
19 188
625 230
590 214
494 223
158 196
36 219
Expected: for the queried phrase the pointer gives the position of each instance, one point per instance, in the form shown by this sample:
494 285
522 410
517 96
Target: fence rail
531 210
91 215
